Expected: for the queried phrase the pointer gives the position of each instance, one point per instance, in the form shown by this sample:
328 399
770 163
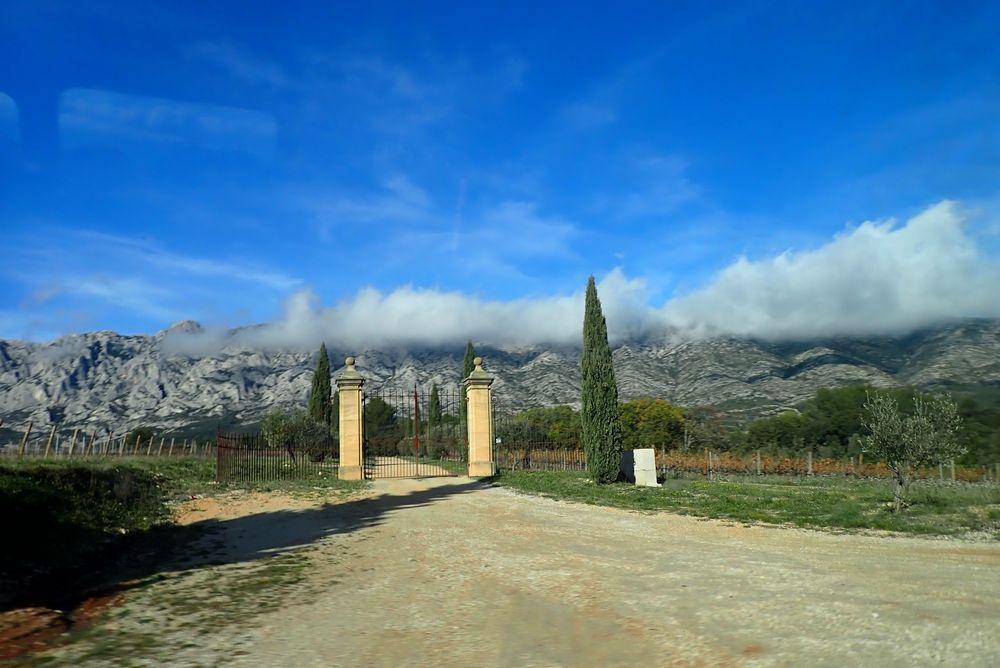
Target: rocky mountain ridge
103 379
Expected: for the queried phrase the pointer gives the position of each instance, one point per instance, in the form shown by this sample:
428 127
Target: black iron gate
414 433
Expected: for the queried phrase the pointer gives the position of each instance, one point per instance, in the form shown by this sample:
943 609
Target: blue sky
164 161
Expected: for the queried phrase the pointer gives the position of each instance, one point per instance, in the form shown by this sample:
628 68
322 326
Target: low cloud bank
411 316
878 278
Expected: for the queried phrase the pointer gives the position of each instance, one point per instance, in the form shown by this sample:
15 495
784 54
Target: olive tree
276 427
925 437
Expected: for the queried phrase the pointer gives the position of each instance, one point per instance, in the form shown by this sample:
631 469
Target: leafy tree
778 433
559 425
551 426
275 427
833 416
927 437
601 425
981 420
433 421
320 404
310 437
382 432
298 433
651 423
704 428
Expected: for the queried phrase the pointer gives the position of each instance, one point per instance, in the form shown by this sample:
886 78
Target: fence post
349 385
758 463
72 444
171 451
24 439
953 470
809 462
159 450
48 444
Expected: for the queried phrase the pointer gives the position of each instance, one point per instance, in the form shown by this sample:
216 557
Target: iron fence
250 458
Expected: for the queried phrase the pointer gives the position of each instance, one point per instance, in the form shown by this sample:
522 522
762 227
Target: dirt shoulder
451 572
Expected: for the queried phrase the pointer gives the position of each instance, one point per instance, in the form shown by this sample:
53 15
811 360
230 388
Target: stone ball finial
349 361
478 361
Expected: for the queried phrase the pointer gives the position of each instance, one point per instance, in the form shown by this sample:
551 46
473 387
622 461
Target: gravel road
454 573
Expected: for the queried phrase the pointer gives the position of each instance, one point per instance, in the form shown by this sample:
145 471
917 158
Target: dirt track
446 572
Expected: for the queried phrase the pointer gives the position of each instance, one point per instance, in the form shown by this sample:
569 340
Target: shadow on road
214 542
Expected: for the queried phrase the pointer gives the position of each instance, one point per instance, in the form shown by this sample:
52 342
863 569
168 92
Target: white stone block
639 467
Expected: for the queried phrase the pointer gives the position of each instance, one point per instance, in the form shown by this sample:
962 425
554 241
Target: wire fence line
51 441
541 456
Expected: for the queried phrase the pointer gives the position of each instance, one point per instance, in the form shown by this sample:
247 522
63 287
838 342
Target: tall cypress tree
468 366
434 410
599 398
320 407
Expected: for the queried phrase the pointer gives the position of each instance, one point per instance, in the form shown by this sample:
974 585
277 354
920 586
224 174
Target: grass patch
177 612
821 503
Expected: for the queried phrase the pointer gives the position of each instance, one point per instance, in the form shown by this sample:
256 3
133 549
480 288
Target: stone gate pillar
351 427
480 421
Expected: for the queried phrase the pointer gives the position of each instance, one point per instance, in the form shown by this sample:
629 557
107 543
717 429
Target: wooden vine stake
24 439
48 443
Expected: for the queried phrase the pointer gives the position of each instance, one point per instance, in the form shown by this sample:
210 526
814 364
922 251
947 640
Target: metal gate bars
414 433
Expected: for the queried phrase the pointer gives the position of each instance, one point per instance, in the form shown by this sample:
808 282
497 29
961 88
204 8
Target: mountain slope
103 379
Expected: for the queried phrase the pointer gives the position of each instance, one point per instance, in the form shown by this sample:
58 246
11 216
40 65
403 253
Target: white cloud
64 247
588 115
498 239
238 62
516 229
878 278
659 188
101 118
133 294
408 315
9 119
398 201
